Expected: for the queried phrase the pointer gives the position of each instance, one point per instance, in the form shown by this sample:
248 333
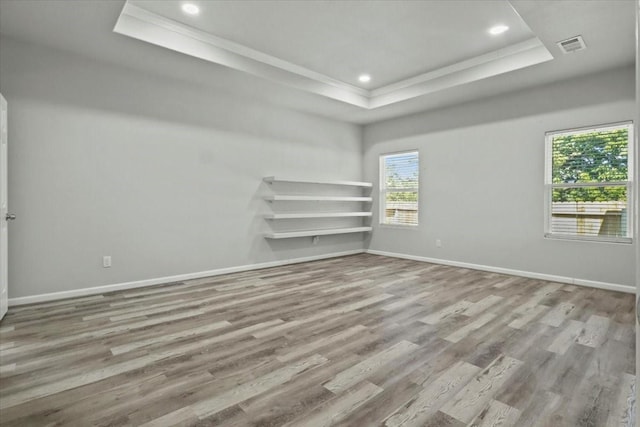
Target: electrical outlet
315 240
438 243
106 261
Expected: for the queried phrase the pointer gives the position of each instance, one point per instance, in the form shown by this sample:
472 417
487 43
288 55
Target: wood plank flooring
362 340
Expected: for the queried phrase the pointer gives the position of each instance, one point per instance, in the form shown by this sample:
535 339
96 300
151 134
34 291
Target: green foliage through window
589 183
399 184
591 157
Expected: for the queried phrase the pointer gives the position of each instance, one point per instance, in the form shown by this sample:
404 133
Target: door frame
4 206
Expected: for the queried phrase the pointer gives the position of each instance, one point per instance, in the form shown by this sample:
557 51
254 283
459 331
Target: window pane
401 208
587 157
590 212
399 188
401 170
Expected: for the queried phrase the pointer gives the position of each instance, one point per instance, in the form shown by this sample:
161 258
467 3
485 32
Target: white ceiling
393 41
390 40
320 46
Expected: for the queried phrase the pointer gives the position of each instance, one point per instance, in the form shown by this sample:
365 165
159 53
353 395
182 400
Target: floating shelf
282 197
316 215
322 232
272 179
353 221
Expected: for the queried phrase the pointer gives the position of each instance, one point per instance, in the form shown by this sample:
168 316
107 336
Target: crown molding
514 57
141 24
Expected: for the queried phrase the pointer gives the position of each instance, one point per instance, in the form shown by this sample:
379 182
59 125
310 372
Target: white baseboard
528 274
169 279
188 276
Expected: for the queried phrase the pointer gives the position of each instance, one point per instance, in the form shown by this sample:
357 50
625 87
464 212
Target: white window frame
384 190
549 185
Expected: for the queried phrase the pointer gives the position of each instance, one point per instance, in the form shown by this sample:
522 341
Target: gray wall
163 176
481 179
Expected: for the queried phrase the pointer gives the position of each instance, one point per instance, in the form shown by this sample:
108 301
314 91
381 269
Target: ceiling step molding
141 24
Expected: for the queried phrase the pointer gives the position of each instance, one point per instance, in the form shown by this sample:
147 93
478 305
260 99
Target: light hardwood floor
355 341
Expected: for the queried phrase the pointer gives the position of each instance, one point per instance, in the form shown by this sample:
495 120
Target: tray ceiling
84 30
409 48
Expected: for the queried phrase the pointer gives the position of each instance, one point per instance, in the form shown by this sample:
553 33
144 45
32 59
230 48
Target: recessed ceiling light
498 29
364 78
190 9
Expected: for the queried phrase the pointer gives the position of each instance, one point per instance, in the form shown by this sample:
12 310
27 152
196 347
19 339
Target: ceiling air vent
572 44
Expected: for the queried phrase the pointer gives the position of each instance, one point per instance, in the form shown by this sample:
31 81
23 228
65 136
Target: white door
4 214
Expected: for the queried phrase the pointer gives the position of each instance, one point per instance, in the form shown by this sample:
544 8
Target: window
588 183
399 188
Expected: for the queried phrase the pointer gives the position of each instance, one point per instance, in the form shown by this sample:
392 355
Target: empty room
319 213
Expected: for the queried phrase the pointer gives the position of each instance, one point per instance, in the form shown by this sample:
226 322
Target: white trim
528 46
316 215
591 239
286 197
169 25
402 190
549 185
505 60
383 189
318 232
272 179
398 226
592 128
169 279
509 271
139 23
591 184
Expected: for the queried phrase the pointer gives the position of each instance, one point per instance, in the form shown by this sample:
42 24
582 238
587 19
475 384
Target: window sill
623 240
400 226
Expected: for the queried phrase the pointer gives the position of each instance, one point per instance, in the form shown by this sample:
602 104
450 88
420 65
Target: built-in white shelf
353 221
316 215
283 197
322 232
272 179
